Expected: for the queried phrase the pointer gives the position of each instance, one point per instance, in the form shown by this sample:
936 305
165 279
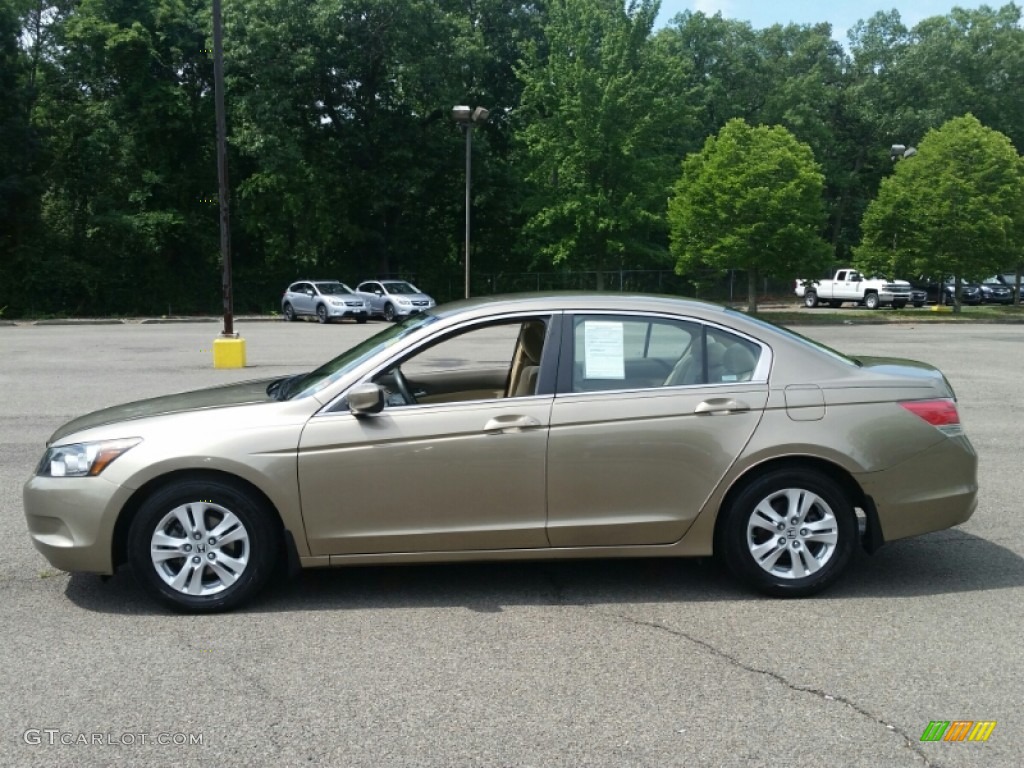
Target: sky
841 14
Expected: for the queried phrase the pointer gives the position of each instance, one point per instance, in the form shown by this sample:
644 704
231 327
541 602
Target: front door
462 470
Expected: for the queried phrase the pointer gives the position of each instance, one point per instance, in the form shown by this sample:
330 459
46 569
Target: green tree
596 125
750 200
952 210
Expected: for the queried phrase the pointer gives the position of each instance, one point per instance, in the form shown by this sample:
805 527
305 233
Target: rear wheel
201 546
899 304
871 301
289 313
810 299
789 533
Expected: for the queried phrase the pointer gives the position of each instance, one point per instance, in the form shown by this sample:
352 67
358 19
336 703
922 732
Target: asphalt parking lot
621 663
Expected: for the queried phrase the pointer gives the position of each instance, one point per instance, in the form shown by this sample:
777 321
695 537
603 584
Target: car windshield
333 289
401 288
311 383
797 337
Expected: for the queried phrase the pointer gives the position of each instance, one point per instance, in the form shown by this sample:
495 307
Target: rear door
633 454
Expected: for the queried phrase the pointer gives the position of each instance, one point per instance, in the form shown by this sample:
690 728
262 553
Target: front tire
871 301
789 533
389 313
321 314
202 546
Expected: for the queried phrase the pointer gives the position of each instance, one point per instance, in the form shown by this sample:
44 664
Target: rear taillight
941 414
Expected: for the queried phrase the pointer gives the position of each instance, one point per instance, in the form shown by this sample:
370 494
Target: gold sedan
520 427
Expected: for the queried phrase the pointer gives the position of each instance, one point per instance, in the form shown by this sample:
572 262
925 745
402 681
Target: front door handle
501 424
721 405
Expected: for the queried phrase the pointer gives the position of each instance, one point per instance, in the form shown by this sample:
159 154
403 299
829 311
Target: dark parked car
970 293
993 291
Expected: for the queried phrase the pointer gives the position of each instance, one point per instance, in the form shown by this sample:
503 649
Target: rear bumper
935 490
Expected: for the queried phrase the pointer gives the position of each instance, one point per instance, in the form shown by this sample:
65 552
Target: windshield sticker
603 350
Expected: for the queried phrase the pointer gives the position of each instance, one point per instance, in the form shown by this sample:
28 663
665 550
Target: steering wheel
403 385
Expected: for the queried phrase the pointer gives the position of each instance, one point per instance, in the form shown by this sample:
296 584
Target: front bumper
346 311
934 490
71 520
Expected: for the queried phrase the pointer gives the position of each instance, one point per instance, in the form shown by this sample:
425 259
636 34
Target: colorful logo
958 730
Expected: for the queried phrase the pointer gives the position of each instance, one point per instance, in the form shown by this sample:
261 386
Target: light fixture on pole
468 117
901 151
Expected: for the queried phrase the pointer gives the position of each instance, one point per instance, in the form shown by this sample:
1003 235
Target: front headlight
403 302
336 302
83 459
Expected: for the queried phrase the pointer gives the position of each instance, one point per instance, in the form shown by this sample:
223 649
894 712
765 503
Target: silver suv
325 300
393 299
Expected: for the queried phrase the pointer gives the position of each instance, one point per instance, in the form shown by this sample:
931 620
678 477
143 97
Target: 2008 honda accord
523 427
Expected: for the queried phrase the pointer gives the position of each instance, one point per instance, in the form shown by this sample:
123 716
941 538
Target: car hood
254 391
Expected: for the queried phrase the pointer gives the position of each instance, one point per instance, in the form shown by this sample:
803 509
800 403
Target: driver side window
484 362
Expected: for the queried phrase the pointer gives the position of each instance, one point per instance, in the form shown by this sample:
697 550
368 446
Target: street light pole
229 348
468 118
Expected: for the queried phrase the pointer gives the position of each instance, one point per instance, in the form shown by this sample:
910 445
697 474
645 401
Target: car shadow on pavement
941 563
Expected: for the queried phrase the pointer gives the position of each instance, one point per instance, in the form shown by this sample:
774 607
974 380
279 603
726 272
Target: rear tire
289 313
789 533
810 299
203 546
899 304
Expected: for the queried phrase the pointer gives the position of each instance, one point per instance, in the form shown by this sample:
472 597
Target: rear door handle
721 405
510 424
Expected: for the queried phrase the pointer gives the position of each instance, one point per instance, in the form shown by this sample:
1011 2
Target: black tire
246 561
918 304
389 312
871 301
810 299
899 304
745 528
321 314
835 304
289 313
361 319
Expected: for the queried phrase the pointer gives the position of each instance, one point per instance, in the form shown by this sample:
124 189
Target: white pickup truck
851 285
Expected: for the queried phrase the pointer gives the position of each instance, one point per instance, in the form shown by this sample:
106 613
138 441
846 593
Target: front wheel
201 546
810 299
871 301
361 319
790 533
321 314
389 313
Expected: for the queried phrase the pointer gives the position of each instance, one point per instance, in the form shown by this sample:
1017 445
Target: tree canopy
955 209
345 161
750 200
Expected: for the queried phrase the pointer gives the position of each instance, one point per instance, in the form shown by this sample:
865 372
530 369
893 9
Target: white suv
325 300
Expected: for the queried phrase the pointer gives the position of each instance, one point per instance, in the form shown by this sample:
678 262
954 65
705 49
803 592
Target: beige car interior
522 381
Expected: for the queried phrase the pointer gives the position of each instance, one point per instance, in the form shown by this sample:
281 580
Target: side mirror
365 399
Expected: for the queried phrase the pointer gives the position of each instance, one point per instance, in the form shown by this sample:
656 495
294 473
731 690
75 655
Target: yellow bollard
229 351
